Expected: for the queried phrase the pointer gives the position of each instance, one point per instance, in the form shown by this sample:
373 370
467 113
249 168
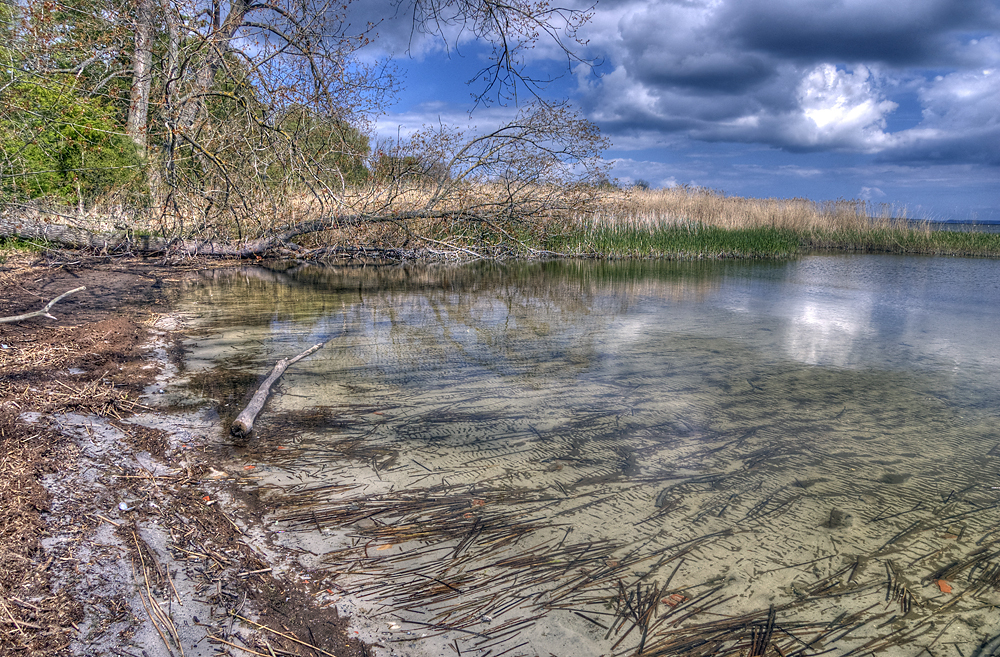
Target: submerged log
243 424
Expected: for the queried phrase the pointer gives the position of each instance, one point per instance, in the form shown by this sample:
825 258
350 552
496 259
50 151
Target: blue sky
893 101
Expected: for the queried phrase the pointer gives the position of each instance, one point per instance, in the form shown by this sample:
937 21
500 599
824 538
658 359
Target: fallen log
44 312
243 424
22 227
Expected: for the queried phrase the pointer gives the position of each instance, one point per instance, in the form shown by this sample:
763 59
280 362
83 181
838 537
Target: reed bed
691 223
679 223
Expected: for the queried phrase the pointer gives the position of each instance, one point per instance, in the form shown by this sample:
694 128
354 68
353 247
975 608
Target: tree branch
44 312
243 424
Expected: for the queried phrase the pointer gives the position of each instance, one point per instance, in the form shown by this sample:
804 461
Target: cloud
799 75
869 193
840 109
657 174
961 121
396 125
895 32
677 45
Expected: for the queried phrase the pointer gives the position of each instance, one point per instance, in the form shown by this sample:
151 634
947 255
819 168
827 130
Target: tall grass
599 237
676 223
697 223
703 206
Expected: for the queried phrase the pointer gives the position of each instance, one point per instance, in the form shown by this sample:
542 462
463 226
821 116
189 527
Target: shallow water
584 458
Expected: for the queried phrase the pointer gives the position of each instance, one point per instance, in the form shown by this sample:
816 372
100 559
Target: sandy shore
116 536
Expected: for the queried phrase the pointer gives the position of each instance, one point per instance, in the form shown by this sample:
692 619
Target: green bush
325 148
56 143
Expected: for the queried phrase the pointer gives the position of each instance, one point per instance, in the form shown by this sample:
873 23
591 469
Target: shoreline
197 540
128 543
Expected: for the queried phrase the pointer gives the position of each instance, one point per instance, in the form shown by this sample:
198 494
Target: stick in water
244 421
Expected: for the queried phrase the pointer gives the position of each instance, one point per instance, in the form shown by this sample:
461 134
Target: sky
890 101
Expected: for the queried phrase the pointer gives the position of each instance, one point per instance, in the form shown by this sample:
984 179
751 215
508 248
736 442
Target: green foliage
8 55
89 39
676 241
56 143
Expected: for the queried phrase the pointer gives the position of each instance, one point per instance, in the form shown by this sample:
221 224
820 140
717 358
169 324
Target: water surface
584 458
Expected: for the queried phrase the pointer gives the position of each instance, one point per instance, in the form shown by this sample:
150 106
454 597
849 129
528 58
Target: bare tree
512 28
540 162
252 113
230 74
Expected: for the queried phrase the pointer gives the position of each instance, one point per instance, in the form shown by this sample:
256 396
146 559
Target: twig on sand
44 312
282 634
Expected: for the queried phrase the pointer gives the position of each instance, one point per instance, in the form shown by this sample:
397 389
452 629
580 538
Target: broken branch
44 312
244 421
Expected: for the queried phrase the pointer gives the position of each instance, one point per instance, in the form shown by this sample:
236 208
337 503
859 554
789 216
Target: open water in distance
585 458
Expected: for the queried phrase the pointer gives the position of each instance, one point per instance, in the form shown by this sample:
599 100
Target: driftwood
44 312
243 424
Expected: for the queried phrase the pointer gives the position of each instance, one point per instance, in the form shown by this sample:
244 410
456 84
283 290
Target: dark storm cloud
896 33
802 75
658 53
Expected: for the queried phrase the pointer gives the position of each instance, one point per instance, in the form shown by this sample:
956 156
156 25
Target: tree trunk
124 242
142 75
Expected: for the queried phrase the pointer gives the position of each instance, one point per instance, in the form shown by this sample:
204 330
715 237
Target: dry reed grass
658 208
675 223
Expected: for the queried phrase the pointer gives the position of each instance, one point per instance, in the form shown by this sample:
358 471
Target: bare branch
44 312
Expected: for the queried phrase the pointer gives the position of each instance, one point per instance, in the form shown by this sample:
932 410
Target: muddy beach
116 538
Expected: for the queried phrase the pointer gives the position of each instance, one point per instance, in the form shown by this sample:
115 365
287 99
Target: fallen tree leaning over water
477 194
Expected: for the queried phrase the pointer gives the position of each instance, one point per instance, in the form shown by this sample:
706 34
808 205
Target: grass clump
907 240
675 241
12 245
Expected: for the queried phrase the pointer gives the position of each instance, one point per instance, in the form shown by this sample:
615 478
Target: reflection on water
592 458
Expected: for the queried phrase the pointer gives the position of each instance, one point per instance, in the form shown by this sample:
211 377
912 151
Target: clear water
579 458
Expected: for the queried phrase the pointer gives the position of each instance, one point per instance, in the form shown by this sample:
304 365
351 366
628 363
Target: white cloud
801 75
962 98
393 125
842 109
960 120
657 174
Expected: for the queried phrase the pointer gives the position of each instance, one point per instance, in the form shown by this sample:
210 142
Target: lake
589 458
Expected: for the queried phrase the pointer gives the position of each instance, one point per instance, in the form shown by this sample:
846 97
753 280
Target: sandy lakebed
129 525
